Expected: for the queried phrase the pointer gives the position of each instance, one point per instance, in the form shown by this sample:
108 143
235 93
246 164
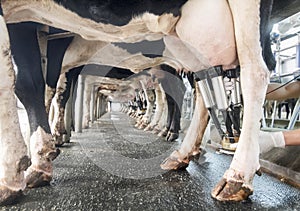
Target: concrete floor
113 166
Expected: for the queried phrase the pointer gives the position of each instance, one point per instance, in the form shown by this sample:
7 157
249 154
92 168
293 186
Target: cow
95 52
98 52
109 22
190 147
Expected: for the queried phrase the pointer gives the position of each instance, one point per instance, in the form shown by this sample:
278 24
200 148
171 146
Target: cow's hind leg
13 158
191 143
236 184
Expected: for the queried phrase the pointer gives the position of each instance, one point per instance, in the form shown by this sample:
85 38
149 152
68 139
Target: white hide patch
206 27
56 103
83 52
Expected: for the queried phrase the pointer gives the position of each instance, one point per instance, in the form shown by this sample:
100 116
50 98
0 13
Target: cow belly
207 26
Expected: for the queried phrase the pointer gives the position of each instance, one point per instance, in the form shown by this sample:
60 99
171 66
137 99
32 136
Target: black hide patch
265 30
106 71
120 12
148 48
1 11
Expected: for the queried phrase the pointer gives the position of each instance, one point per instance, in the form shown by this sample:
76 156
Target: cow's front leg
236 184
191 143
13 158
29 88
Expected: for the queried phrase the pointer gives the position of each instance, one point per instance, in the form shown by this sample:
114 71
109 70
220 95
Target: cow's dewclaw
8 196
24 163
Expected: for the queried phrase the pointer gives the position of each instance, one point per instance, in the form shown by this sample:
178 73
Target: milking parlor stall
153 105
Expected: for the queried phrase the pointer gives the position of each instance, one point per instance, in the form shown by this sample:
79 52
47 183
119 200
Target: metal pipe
220 94
79 104
206 93
294 115
236 92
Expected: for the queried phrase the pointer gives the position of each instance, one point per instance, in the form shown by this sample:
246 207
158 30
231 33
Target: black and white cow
190 147
84 52
233 25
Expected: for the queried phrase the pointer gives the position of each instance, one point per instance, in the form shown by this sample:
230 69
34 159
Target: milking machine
232 122
226 99
205 80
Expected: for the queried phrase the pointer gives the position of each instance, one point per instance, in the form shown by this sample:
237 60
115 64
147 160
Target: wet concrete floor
113 166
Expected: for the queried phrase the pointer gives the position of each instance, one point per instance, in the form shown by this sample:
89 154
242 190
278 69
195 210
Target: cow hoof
231 190
148 128
172 136
53 154
142 126
155 131
58 140
173 162
37 179
66 138
8 196
163 133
